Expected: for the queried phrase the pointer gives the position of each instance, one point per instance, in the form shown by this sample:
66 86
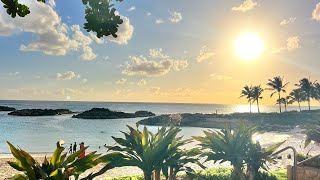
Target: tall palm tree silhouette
247 92
297 95
277 86
256 95
309 88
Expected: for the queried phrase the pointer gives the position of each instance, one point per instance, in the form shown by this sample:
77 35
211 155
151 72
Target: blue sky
169 51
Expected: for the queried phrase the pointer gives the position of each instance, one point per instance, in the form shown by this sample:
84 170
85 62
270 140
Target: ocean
39 134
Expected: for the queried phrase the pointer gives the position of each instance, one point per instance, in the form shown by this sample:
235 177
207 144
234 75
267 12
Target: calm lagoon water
39 134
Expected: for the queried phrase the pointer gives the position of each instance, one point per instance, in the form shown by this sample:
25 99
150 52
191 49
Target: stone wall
304 173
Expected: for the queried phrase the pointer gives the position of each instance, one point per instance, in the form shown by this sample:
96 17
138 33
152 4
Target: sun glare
249 46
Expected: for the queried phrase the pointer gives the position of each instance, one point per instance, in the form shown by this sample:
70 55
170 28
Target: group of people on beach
73 149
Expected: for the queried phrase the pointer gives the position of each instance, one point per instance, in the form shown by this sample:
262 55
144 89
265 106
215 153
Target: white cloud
66 76
316 13
45 23
14 73
247 5
157 64
132 8
205 54
121 81
52 3
148 14
142 82
125 32
95 38
159 21
87 54
54 37
84 80
293 43
220 77
175 17
157 53
154 91
287 21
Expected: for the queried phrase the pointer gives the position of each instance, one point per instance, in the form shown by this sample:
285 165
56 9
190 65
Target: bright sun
248 46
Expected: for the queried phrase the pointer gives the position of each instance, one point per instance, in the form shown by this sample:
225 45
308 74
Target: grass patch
216 174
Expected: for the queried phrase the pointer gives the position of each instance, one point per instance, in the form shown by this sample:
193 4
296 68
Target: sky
166 51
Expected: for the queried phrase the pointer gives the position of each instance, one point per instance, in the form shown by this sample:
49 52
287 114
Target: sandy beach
292 138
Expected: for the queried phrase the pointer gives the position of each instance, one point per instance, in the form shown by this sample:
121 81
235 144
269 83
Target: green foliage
256 95
13 7
313 134
226 174
228 145
311 90
101 17
60 167
257 157
150 152
277 86
247 93
237 147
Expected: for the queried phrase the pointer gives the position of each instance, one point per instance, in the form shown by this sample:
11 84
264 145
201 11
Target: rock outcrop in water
102 113
6 108
40 112
264 121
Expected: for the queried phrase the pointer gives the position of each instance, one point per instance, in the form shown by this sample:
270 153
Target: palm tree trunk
237 173
299 106
258 105
285 107
156 175
147 175
309 103
279 101
172 175
250 106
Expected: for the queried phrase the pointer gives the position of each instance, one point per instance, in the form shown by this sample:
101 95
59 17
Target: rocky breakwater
6 108
40 112
103 113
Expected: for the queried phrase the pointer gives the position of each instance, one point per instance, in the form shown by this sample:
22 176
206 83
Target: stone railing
304 173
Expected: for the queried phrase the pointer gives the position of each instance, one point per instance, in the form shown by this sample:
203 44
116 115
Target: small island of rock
102 113
40 112
6 108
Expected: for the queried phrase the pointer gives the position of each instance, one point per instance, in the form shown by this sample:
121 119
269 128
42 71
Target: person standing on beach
74 147
83 154
70 149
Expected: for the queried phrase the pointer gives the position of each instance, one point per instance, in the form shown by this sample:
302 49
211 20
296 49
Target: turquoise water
39 134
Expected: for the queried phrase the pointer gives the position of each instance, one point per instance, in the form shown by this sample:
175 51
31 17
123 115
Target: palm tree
256 95
285 101
297 95
277 86
309 88
227 145
151 152
247 92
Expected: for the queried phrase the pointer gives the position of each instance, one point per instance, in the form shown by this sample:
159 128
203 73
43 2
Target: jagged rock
144 114
40 112
102 113
6 108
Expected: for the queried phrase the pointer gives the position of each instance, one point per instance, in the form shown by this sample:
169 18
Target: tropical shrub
227 145
237 147
257 158
149 152
60 167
